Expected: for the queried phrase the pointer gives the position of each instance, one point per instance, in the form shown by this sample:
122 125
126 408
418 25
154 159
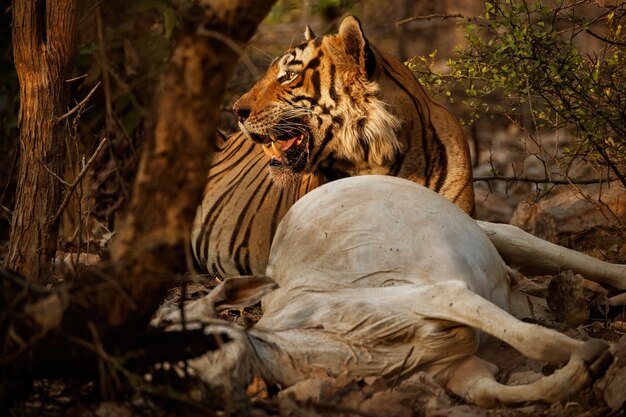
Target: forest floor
566 302
162 392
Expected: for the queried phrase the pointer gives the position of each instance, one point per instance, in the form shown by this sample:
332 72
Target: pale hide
378 275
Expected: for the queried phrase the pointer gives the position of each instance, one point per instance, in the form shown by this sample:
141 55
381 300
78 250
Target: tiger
331 107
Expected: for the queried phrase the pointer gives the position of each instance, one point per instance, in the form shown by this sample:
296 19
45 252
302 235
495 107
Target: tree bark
148 253
154 236
44 44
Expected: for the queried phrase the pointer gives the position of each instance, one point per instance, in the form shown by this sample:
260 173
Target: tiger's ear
308 33
240 292
356 45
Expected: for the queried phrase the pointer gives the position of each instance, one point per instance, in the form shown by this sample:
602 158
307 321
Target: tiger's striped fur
241 209
331 107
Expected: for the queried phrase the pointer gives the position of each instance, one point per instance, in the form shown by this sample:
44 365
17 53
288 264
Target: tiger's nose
242 113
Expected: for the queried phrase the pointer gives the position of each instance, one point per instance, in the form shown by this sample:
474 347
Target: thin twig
432 16
80 77
135 380
78 178
602 38
51 172
112 123
101 354
78 106
109 282
565 181
406 358
232 45
610 163
99 351
538 141
8 213
94 7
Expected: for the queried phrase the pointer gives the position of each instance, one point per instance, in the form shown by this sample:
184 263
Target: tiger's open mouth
288 150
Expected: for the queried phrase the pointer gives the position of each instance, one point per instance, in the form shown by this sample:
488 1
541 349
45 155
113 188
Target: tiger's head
318 106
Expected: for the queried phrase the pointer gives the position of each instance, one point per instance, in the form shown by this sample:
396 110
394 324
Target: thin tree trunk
149 250
44 44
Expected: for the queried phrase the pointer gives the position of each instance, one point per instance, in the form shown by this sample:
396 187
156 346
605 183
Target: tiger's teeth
273 151
267 150
277 151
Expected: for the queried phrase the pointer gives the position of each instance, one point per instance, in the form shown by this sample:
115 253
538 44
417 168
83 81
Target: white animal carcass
380 276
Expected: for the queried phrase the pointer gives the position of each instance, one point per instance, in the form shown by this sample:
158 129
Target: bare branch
71 187
80 77
7 212
65 183
564 181
234 46
602 38
434 16
78 106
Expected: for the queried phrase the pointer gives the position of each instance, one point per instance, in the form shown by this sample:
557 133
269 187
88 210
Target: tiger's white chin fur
284 177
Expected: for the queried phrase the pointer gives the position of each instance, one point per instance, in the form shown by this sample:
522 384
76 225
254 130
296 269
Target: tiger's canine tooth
273 151
267 150
278 152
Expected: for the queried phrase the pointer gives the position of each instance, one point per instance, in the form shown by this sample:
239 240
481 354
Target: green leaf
171 21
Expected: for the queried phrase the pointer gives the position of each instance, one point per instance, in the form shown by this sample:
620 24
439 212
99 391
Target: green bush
527 52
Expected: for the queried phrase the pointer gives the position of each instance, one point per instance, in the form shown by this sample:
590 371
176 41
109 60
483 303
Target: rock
309 389
389 404
592 218
370 396
490 206
426 393
567 299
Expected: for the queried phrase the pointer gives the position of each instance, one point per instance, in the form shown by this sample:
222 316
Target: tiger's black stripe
332 91
327 138
244 262
226 194
425 139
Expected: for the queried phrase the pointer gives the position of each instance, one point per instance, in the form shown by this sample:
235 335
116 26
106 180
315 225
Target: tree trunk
44 44
153 239
149 250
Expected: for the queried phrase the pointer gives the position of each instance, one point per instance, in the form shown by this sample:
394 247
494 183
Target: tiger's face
317 107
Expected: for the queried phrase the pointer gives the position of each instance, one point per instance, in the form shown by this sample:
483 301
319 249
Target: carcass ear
308 33
356 45
239 292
